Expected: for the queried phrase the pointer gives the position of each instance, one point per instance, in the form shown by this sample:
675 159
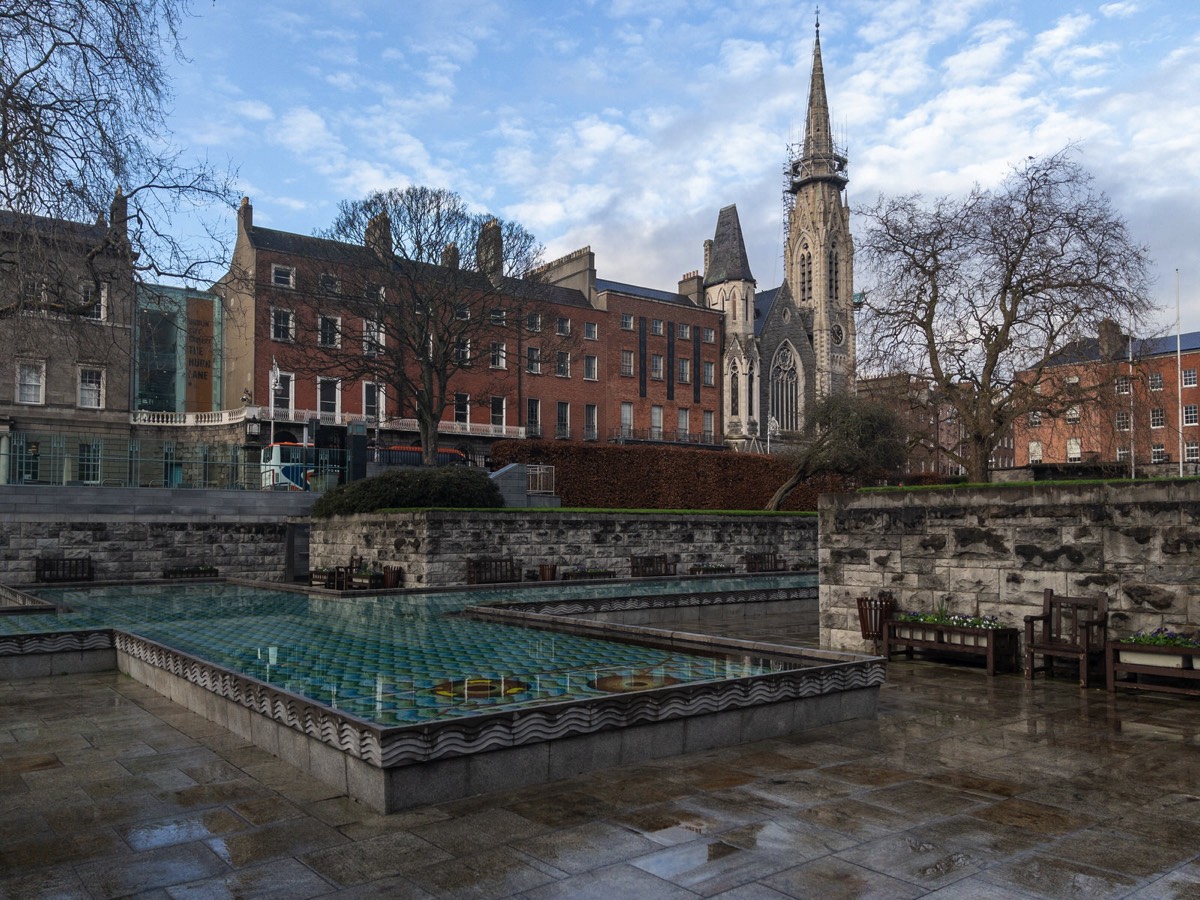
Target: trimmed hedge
452 487
607 476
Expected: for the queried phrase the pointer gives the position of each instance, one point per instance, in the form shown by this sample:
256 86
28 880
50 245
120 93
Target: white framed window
656 420
685 421
329 396
1122 421
497 356
1074 450
533 360
1158 418
329 331
683 331
656 326
709 336
591 430
533 322
710 374
626 362
499 408
591 368
88 463
94 303
533 417
374 406
562 364
284 398
562 420
709 425
1121 385
564 326
626 419
1035 452
462 312
685 371
656 367
498 317
330 284
1073 414
283 276
1034 419
91 388
376 293
1158 453
283 325
1191 414
462 351
1189 377
31 382
1122 454
591 331
1191 451
462 408
1156 381
627 321
372 337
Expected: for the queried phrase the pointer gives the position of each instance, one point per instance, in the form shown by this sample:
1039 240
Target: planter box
1149 667
997 647
569 575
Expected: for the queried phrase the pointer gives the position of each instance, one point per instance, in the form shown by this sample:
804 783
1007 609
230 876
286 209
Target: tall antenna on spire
818 23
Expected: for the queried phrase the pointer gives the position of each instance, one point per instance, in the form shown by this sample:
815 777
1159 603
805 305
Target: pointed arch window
833 272
806 275
750 390
785 389
735 386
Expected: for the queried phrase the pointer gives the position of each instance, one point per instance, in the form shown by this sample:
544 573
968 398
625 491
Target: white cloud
255 110
1119 10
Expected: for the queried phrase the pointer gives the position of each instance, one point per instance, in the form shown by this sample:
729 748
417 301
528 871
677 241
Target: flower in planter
944 618
1162 637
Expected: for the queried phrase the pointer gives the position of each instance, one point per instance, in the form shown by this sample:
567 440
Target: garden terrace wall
433 546
993 551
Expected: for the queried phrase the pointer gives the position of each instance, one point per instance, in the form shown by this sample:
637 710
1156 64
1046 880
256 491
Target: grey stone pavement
962 786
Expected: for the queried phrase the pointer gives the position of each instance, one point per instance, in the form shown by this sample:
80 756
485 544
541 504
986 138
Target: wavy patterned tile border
62 642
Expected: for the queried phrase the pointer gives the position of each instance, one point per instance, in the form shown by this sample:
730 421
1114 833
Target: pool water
390 660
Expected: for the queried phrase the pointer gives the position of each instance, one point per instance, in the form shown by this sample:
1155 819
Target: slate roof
1088 350
634 290
728 260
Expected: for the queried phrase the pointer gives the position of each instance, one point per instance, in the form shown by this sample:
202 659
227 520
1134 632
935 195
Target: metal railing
661 436
541 479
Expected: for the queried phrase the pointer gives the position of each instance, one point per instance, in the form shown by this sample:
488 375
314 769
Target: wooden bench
998 647
50 570
492 571
1071 627
765 561
649 566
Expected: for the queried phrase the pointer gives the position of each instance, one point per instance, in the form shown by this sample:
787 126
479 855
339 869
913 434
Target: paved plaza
963 786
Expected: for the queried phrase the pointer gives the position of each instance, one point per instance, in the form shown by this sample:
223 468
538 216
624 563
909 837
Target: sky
626 126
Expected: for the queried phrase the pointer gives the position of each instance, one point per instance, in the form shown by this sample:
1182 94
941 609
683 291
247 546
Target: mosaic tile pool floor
390 660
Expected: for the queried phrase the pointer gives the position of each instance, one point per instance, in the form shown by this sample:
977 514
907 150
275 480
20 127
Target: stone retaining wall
993 551
433 546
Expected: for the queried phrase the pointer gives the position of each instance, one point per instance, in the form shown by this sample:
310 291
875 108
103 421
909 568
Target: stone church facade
787 347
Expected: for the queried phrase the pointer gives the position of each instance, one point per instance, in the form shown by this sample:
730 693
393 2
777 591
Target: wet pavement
963 786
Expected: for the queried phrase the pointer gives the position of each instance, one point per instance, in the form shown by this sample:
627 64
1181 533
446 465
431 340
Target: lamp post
271 399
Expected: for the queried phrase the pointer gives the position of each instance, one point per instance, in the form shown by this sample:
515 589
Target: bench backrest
1071 617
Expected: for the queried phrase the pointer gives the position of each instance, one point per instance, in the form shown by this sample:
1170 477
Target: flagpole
1179 372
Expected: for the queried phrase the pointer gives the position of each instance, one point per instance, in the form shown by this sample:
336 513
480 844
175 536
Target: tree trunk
785 489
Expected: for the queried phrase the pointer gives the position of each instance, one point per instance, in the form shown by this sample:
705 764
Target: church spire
821 159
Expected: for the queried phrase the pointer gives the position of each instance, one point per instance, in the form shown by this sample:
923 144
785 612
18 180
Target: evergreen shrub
446 487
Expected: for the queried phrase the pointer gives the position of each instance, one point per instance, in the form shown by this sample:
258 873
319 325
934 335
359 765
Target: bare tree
849 435
454 282
83 100
979 294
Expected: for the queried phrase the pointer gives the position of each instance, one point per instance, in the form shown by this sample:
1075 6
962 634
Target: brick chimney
1112 341
489 251
378 236
450 256
245 216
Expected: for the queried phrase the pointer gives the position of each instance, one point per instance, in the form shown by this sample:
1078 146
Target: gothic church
788 347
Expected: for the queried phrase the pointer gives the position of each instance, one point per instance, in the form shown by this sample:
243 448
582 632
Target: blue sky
627 125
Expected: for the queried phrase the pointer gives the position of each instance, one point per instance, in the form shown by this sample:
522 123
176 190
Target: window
88 461
590 430
1191 451
533 322
710 374
498 356
626 321
498 409
562 424
591 331
1157 417
626 362
533 417
31 383
283 276
656 326
1156 381
28 461
1158 453
1035 452
329 331
91 388
1122 384
1191 414
462 408
1122 421
533 360
685 371
374 292
330 284
329 396
372 337
562 364
95 304
656 420
564 326
626 419
685 421
1035 418
683 331
1073 414
1122 454
1189 377
462 312
372 403
709 426
283 325
462 351
498 317
281 399
591 368
1074 450
656 367
709 336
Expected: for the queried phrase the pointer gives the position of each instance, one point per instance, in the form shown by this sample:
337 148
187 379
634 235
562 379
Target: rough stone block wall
433 546
993 551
